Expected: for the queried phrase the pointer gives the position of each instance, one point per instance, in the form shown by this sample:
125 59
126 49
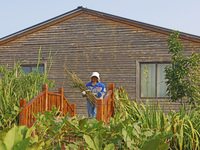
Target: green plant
183 76
185 125
149 125
16 138
146 123
16 85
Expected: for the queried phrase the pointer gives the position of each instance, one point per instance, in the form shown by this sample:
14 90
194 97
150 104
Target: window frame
156 68
34 65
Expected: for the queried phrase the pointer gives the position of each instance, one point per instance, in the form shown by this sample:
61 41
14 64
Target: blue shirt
99 87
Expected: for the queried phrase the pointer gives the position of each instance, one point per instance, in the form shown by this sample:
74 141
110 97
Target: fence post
60 90
74 109
111 87
22 113
45 88
100 109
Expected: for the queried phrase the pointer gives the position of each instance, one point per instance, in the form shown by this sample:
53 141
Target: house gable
109 17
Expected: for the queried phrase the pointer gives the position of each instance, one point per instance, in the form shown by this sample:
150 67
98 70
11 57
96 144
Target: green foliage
149 125
135 126
183 76
17 138
16 85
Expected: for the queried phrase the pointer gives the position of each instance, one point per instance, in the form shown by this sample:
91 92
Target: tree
183 76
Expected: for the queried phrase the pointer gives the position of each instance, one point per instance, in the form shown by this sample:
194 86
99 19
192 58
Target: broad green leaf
151 144
82 123
89 141
73 146
67 148
2 146
16 108
3 134
12 137
70 124
96 123
147 133
23 130
109 147
35 139
13 112
136 133
98 141
163 146
137 128
22 145
127 139
29 131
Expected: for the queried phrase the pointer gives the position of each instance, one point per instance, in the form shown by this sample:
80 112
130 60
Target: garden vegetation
135 126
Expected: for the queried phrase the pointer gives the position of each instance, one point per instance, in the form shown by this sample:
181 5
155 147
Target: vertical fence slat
100 109
31 113
45 88
60 90
29 118
111 87
109 107
22 114
106 112
49 101
74 109
40 104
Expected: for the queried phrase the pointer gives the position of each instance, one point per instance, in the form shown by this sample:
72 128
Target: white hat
96 74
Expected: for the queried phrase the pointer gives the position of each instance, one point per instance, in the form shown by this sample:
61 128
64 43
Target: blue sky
182 15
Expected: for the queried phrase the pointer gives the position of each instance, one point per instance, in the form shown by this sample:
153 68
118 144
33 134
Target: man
98 89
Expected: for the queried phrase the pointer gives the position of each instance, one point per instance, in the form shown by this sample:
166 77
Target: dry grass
81 86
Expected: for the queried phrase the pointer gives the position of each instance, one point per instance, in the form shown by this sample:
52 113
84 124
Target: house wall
88 43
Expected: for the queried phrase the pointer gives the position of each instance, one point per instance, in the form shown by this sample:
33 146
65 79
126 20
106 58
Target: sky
181 15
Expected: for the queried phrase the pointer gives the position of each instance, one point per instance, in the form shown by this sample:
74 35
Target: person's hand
83 93
99 94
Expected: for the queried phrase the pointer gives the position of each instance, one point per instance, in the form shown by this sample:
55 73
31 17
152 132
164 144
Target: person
98 89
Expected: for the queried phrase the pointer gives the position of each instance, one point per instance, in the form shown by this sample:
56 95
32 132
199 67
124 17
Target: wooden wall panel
88 43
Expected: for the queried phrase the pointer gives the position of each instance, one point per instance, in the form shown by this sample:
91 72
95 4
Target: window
152 83
30 68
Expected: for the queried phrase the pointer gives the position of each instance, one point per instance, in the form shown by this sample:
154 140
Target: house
86 40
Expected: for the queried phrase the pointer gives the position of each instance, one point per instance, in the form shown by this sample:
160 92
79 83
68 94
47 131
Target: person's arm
102 93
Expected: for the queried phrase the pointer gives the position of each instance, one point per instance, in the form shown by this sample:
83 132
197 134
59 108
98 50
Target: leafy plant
135 126
19 138
183 76
149 125
16 85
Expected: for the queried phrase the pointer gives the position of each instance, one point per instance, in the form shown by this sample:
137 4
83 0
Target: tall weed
16 85
180 130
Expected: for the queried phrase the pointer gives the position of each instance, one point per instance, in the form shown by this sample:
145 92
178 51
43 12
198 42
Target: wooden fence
105 107
44 102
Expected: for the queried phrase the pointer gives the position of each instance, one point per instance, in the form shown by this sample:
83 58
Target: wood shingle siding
85 41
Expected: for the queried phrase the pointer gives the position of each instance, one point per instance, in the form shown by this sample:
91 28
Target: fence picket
105 107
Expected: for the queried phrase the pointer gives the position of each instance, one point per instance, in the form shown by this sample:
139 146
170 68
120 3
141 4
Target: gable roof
80 10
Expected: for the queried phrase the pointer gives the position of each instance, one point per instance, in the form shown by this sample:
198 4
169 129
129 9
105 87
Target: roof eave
17 34
102 14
